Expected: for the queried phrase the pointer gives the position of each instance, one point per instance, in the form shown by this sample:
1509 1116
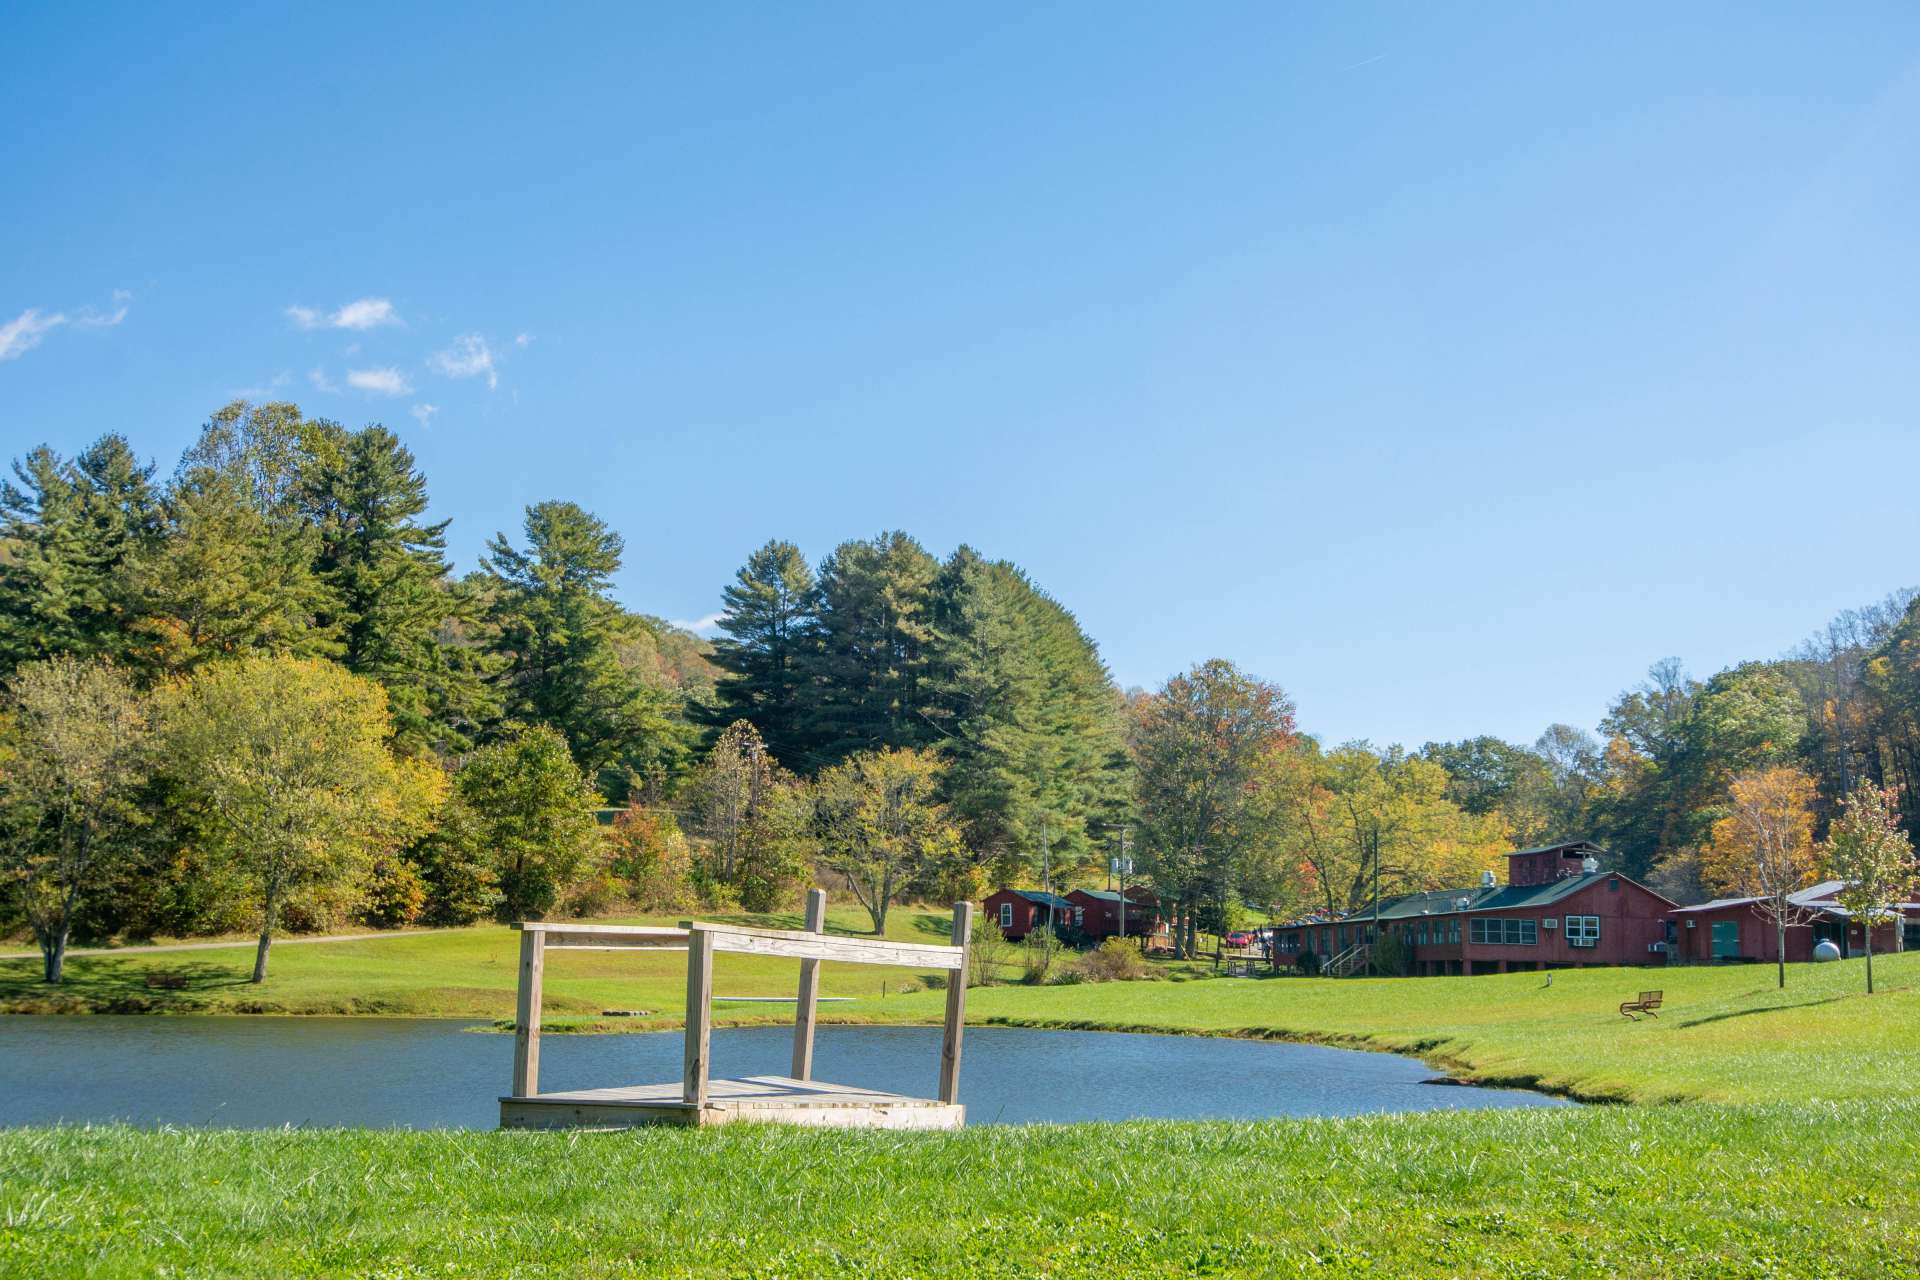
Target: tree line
256 695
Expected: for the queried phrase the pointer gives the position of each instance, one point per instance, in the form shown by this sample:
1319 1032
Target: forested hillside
254 694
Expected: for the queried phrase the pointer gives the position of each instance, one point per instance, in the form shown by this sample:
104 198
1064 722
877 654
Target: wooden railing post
803 1014
699 1015
956 1005
526 1016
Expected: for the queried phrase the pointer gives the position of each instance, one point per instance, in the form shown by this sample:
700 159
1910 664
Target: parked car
1240 938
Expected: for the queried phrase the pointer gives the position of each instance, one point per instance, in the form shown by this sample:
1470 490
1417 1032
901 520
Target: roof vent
1589 864
1486 880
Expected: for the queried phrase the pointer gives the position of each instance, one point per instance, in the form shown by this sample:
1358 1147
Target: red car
1240 938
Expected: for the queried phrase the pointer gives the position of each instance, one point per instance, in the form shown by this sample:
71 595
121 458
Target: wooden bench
1647 1003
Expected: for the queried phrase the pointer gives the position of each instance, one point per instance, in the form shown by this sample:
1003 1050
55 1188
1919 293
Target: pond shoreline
422 1073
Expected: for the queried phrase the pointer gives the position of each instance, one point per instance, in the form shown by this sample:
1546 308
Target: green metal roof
1441 902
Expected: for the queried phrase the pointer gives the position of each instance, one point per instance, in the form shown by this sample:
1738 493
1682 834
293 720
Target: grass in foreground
1723 1192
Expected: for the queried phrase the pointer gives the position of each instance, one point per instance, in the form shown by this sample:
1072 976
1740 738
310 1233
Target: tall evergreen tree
557 631
1032 728
70 529
387 576
769 636
867 676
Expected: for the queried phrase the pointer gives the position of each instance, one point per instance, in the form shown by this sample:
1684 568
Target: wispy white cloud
24 332
386 382
522 339
360 314
423 413
468 357
94 318
700 626
28 329
321 382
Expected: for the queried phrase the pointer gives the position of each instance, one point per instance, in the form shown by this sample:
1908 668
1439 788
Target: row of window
1580 931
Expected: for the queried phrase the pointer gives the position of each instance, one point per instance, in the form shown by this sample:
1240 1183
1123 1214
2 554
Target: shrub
1114 960
652 861
394 894
1307 962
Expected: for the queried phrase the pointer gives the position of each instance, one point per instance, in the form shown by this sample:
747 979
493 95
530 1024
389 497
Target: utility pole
1046 887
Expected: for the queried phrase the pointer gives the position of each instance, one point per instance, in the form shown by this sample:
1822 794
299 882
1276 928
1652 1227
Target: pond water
260 1072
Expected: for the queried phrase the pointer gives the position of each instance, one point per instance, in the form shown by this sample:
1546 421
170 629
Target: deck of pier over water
698 1099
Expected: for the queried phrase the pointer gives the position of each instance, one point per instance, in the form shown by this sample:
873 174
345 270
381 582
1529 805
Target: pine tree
387 576
770 635
866 676
1031 725
70 529
557 632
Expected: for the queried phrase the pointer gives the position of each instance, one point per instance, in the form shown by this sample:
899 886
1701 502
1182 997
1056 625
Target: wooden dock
769 1099
698 1099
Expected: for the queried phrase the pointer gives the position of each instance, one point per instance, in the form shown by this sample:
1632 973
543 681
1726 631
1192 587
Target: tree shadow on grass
106 984
1748 1013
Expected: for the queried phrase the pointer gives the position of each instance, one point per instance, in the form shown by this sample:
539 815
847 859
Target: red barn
1558 910
1019 912
1097 911
1732 930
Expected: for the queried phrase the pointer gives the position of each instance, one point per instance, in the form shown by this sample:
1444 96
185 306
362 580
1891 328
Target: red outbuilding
1019 912
1736 930
1096 912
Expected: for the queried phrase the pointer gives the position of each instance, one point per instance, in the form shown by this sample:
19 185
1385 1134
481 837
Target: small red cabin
1019 912
1096 912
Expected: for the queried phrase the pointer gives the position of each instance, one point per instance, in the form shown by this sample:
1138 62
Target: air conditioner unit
1581 942
1550 922
1656 947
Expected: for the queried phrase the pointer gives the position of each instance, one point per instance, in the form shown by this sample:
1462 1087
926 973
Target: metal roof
1044 899
1816 897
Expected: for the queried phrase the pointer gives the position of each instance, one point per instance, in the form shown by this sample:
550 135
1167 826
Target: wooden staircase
1355 959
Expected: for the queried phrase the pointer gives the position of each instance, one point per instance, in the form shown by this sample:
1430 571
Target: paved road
220 946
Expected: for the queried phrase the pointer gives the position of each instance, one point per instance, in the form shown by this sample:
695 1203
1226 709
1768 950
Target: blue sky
1446 365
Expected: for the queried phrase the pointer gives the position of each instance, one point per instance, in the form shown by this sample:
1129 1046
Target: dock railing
701 941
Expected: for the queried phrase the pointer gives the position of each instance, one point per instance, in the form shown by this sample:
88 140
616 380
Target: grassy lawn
454 973
1707 1191
1725 1034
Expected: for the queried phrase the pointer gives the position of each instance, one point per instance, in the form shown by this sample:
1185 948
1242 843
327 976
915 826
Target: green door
1726 939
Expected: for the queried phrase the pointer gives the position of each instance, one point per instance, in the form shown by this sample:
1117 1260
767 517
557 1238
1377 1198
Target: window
1079 917
1006 915
1453 929
1583 931
1614 884
1504 933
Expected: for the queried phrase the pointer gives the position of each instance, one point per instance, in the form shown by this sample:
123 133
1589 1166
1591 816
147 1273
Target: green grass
1725 1034
454 973
1723 1192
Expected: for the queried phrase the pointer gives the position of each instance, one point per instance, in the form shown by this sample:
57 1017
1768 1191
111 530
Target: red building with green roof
1558 910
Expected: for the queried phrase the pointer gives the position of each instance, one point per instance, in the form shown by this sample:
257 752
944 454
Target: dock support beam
526 1015
699 1016
809 1000
956 1006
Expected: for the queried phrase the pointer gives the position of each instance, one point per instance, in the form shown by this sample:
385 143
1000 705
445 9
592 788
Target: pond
261 1072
